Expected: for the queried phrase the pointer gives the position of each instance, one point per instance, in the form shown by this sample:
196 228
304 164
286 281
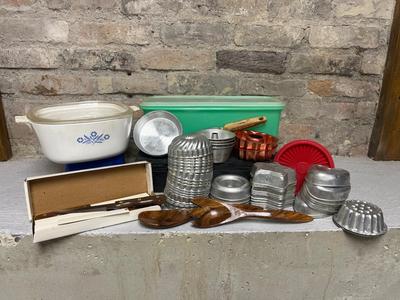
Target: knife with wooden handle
133 203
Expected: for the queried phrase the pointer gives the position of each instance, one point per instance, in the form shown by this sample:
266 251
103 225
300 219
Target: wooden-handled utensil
133 203
170 218
212 213
244 124
222 213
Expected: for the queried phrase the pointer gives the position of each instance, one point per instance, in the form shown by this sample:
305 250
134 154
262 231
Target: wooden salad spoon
161 219
170 218
222 213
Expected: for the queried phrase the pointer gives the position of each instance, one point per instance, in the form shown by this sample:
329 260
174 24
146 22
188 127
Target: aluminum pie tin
155 131
360 218
230 188
328 177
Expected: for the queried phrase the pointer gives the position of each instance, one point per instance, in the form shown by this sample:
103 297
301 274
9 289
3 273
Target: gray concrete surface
247 260
259 265
377 182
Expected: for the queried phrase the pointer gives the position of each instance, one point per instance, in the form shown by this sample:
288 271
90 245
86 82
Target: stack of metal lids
190 170
324 191
273 185
231 189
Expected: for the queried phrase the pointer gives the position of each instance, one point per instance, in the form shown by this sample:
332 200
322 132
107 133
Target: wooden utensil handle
243 124
280 215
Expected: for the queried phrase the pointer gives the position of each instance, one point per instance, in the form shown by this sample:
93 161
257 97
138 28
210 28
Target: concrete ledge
377 182
246 260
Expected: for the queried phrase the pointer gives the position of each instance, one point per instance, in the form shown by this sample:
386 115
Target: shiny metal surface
273 185
154 132
217 134
324 176
360 218
231 188
329 193
190 170
273 175
325 206
300 206
222 142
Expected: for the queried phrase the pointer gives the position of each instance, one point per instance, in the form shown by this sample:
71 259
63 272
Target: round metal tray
154 132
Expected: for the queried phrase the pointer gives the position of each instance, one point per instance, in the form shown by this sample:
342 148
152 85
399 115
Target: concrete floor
246 260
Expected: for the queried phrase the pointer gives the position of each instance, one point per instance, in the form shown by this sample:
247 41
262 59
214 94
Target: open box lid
68 190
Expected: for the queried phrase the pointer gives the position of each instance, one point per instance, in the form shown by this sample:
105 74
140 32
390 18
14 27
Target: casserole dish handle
24 120
134 107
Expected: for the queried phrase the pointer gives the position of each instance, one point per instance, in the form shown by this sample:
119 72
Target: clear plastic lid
78 112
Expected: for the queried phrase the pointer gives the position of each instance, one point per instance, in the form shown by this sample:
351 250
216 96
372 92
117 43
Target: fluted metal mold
190 170
361 218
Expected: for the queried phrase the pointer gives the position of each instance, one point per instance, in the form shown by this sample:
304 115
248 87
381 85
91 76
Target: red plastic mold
300 155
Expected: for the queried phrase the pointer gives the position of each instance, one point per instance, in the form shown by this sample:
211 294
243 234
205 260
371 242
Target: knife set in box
47 195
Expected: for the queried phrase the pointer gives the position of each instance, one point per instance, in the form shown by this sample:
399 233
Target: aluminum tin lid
231 187
78 112
360 218
154 132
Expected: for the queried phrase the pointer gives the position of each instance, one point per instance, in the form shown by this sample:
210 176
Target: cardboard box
71 190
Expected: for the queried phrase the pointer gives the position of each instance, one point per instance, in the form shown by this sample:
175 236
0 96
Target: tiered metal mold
190 170
231 188
360 218
273 185
222 142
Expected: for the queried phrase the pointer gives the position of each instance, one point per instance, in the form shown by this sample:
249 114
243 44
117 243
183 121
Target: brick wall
324 57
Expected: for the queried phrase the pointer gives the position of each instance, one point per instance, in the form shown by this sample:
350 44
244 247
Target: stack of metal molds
232 189
222 142
273 185
190 170
324 191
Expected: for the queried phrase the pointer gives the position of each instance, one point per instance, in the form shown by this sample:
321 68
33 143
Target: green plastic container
202 112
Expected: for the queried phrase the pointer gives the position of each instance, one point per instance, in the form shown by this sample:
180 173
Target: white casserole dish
82 131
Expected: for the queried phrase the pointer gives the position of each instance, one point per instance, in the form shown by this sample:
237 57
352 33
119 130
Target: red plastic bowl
300 155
